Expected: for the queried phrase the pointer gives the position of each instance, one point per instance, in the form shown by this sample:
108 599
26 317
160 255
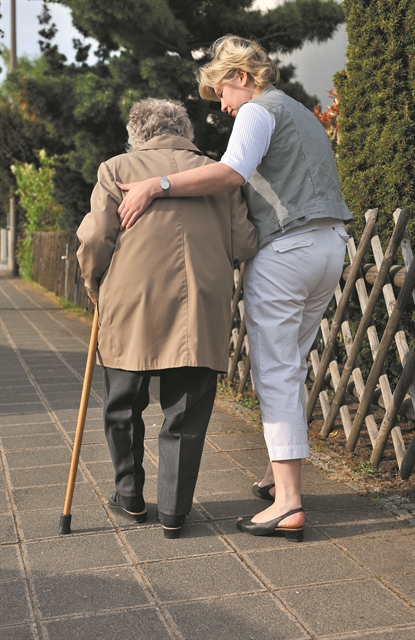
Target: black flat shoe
270 528
133 508
263 492
172 525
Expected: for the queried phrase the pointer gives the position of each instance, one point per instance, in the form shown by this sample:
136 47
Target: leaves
377 110
77 112
36 192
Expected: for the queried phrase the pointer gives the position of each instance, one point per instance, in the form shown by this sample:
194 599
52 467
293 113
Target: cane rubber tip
65 524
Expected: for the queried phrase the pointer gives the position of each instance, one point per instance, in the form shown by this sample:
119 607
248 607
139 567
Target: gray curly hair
151 117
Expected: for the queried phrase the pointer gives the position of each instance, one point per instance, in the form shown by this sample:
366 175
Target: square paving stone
227 505
223 482
154 420
94 425
232 442
10 393
351 522
4 502
139 624
71 385
404 583
60 403
196 539
75 553
347 607
203 577
38 457
152 431
89 591
14 603
7 529
23 420
42 476
311 475
65 398
244 542
16 395
35 498
89 437
13 443
330 501
23 408
215 462
71 415
95 452
61 377
153 410
255 461
19 632
226 424
385 552
45 524
27 429
399 633
321 485
305 564
253 617
101 470
10 563
17 386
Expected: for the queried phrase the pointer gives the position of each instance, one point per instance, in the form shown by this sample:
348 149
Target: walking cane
65 519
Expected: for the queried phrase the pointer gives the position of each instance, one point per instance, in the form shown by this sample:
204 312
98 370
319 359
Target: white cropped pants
287 287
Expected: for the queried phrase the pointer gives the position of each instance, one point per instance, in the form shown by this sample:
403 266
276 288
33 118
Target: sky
315 63
27 27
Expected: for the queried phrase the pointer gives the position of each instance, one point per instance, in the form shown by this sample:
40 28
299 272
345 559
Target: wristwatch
165 185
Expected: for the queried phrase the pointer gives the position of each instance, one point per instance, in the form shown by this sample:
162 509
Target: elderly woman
164 294
280 154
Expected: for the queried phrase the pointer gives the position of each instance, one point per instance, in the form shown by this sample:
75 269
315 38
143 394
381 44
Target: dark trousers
187 395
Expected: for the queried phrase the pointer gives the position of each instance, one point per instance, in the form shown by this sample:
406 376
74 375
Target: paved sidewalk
352 577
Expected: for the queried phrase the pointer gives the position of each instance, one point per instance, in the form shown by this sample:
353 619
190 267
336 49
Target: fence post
338 316
388 422
366 319
388 336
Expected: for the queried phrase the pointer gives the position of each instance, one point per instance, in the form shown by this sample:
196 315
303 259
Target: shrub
35 190
376 156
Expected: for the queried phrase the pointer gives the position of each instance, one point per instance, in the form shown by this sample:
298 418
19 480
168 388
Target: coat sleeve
244 235
98 231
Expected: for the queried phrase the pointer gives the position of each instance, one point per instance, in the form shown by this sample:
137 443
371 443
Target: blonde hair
230 54
151 117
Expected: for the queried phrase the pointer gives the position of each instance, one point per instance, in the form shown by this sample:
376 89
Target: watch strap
165 185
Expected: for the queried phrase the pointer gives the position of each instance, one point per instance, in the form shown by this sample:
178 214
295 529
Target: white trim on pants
287 287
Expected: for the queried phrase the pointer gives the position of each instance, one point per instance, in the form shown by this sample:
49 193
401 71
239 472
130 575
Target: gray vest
297 179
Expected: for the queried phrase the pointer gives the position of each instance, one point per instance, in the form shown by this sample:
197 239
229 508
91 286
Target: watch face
165 184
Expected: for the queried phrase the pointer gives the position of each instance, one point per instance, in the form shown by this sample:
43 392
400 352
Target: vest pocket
342 233
281 245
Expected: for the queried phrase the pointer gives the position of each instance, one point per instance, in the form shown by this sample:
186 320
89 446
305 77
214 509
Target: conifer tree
145 48
376 155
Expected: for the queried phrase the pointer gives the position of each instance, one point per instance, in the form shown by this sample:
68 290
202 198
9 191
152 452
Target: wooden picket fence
56 268
347 379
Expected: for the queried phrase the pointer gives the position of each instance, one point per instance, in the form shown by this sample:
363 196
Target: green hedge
376 155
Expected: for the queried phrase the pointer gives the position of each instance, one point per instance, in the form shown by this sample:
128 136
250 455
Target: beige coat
165 285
